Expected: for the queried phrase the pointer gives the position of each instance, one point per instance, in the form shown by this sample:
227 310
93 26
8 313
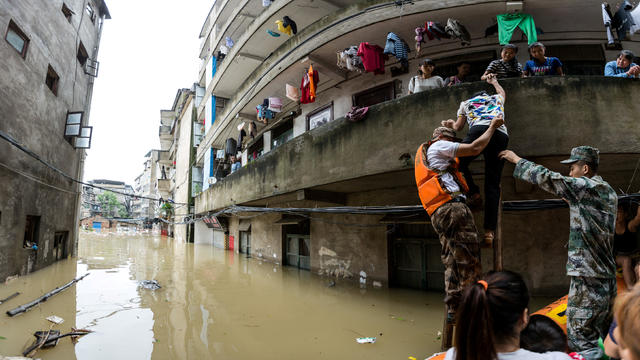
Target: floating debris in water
55 319
150 284
366 340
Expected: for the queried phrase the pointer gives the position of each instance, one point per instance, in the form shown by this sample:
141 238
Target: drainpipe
192 153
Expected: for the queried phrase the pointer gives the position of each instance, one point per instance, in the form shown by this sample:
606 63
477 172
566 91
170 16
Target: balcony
164 159
164 186
546 117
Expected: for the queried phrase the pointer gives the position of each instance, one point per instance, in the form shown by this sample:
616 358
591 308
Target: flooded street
212 304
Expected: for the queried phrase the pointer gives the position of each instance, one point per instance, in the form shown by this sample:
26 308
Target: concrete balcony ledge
164 185
545 117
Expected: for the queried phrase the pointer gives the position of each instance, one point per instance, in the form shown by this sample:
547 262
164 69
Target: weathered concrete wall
36 117
182 156
346 246
203 235
545 117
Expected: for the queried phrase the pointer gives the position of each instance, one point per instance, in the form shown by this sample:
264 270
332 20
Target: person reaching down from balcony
478 112
540 65
591 266
492 313
505 67
425 79
623 66
624 240
464 68
441 188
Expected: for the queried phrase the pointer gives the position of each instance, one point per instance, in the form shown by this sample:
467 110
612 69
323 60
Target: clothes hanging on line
606 19
635 15
273 33
284 29
507 24
286 21
310 81
228 42
275 104
292 92
436 30
263 113
457 30
349 59
372 58
397 47
267 3
622 20
241 137
224 49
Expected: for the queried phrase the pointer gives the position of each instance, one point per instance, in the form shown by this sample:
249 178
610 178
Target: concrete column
266 140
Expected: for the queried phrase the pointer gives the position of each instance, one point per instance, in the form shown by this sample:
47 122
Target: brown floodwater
212 304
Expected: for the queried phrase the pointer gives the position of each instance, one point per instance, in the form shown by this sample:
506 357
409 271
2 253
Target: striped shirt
505 69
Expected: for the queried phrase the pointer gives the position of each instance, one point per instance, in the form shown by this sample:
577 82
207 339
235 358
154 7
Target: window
52 80
67 12
255 150
320 116
31 231
60 244
17 38
82 54
587 59
375 95
282 134
91 13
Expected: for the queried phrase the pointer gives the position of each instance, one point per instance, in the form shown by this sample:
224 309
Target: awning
244 225
290 220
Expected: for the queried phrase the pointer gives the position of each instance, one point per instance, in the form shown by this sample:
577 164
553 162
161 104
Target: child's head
543 334
627 312
537 50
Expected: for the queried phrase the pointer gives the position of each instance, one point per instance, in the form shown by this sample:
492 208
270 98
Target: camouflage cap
583 153
443 130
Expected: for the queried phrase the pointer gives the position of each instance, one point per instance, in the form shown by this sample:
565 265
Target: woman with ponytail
490 317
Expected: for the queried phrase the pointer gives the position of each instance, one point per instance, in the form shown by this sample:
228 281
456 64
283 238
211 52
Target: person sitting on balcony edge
623 66
437 163
235 163
425 79
540 65
505 67
478 112
464 68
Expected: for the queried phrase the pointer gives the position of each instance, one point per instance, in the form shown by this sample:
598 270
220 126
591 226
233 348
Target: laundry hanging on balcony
432 30
397 47
228 42
273 33
267 3
287 26
275 104
263 113
224 50
309 84
635 15
623 21
507 24
292 92
457 30
349 59
372 58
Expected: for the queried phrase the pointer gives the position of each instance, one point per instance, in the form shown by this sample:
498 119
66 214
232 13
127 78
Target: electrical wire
24 149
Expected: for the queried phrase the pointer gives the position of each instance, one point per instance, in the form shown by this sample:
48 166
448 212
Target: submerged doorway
414 257
296 242
245 243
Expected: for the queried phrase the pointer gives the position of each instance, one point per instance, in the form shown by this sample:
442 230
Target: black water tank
230 146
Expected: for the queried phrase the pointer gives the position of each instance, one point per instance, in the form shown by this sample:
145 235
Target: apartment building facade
49 62
308 156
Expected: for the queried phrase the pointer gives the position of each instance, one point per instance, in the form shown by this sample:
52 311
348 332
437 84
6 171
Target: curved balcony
546 117
370 21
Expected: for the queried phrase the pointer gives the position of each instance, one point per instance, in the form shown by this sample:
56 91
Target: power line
24 149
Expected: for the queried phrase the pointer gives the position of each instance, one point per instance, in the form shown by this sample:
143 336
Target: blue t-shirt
533 68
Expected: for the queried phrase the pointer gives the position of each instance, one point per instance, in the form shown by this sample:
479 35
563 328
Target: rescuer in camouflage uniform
591 265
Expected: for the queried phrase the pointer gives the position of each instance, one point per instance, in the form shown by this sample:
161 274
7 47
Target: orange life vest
432 191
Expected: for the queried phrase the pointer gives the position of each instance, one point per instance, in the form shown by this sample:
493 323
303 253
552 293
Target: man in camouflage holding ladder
591 265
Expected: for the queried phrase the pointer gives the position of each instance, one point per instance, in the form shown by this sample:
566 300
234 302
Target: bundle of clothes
435 30
266 111
625 21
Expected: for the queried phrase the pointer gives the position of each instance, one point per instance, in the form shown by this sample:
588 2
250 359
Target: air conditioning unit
212 180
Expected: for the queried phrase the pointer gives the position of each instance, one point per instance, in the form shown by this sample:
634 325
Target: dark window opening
17 38
60 244
478 61
82 54
255 150
31 231
282 134
91 13
588 59
52 80
320 116
375 95
67 12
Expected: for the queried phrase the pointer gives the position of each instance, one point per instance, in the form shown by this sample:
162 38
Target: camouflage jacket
592 208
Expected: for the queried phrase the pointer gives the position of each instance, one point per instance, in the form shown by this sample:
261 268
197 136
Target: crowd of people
491 314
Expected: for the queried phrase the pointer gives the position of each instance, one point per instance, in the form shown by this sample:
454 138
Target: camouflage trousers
589 313
460 255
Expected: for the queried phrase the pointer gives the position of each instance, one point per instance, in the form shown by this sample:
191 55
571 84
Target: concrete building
91 205
146 184
308 156
49 62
